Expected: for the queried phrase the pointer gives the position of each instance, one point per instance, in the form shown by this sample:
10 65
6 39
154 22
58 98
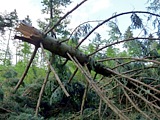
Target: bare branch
137 59
134 105
59 21
139 69
74 73
26 69
78 27
138 95
131 12
98 91
129 39
134 80
54 72
42 90
152 95
84 98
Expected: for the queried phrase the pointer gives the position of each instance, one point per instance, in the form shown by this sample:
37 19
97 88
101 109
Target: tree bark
34 36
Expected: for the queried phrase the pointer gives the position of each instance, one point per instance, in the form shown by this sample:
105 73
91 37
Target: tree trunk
34 36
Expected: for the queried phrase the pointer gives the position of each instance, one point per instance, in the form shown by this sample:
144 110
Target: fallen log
34 36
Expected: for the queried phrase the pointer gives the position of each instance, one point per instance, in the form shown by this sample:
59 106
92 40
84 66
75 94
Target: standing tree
7 23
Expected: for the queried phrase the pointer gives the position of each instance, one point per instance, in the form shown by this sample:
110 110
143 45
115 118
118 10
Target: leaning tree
126 83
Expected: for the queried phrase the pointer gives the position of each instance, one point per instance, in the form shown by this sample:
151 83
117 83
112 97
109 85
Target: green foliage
10 73
114 33
82 30
11 82
56 96
54 104
75 89
25 116
153 5
8 20
138 116
136 21
63 71
11 107
128 33
18 106
34 71
53 9
18 110
57 3
26 51
138 47
1 94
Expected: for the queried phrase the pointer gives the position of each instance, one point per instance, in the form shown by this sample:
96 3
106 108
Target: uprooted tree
130 85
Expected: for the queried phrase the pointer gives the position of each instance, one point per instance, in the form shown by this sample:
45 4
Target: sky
90 10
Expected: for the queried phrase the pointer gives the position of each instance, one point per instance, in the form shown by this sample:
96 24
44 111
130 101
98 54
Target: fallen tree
34 36
85 63
129 89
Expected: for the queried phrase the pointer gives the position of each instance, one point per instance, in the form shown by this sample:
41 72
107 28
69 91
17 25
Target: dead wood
34 36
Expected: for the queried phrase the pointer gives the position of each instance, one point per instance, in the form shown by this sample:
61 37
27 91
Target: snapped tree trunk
34 36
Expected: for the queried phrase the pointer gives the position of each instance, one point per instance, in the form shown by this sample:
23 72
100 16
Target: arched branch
124 13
